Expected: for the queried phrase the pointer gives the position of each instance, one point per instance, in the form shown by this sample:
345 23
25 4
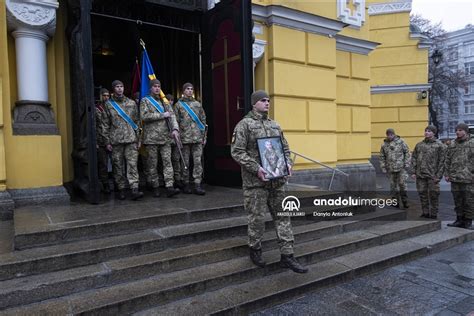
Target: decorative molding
295 19
258 51
34 118
37 15
390 7
400 88
257 29
355 45
345 14
424 42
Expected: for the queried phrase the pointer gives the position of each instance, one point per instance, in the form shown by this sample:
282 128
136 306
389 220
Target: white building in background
460 56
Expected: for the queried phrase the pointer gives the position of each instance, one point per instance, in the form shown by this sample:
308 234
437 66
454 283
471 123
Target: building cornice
400 88
424 42
355 45
396 6
295 19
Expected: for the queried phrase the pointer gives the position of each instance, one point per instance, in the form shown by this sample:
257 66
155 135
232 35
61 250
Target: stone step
154 288
62 226
257 294
86 252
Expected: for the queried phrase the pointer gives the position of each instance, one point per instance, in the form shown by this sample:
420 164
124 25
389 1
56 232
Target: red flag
136 80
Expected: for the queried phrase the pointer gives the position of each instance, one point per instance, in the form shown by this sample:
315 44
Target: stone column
32 23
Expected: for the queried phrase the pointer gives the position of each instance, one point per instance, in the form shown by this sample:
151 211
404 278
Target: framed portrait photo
272 157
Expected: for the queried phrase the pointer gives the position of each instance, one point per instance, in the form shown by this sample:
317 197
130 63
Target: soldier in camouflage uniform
122 140
459 170
394 158
156 137
261 194
427 163
102 153
192 137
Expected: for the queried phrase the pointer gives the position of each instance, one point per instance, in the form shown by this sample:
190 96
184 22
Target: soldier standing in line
159 121
102 152
192 124
427 163
121 126
394 158
459 170
260 194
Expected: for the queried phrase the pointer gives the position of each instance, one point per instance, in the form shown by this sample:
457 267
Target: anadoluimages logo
290 204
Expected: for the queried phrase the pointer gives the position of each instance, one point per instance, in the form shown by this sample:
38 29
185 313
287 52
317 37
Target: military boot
136 194
457 223
405 204
466 223
256 257
179 184
199 190
156 192
289 261
187 189
171 191
106 188
122 194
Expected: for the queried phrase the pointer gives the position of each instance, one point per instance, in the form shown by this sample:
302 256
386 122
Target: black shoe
179 185
289 261
466 223
187 189
433 216
256 257
199 190
425 215
170 192
405 204
156 192
122 195
106 189
136 194
457 223
149 187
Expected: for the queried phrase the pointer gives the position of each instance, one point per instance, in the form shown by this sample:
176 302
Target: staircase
188 256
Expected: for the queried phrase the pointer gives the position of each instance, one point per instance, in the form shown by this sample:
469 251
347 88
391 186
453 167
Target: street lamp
436 58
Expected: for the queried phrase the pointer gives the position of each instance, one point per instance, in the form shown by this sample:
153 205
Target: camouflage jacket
459 163
100 116
118 131
155 127
427 160
189 131
244 148
394 155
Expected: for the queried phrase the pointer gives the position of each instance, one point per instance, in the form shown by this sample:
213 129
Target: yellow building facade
339 73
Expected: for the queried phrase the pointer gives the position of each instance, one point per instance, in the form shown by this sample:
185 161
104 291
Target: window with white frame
469 107
469 49
469 68
452 126
453 52
453 107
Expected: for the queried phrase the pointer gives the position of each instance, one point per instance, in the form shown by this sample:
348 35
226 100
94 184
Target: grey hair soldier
261 194
394 159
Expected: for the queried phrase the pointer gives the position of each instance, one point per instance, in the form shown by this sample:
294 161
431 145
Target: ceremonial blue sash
157 106
193 115
123 114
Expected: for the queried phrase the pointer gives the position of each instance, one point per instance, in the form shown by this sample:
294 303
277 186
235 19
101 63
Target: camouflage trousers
398 185
176 161
428 190
129 153
102 159
154 153
196 151
463 195
259 201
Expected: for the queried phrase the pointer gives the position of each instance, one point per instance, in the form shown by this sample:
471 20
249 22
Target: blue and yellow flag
147 74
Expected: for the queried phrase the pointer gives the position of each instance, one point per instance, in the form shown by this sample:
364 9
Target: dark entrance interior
174 53
186 42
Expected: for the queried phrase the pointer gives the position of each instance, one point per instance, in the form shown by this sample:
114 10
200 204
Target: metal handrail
334 170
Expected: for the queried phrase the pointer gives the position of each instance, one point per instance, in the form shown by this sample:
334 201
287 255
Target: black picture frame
279 168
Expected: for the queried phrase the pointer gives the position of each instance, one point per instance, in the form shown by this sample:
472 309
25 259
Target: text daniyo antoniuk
350 201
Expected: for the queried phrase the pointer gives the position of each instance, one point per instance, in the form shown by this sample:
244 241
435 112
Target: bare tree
447 84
